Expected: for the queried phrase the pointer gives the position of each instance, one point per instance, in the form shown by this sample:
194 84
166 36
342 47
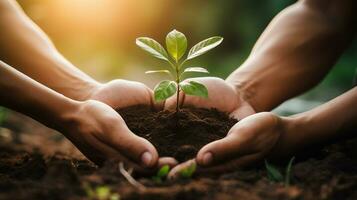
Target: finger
232 165
232 146
135 148
175 172
244 110
172 162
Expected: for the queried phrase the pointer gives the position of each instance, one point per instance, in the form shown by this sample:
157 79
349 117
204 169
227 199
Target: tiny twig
129 178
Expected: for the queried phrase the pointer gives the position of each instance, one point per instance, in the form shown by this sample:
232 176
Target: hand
247 142
101 134
122 93
221 95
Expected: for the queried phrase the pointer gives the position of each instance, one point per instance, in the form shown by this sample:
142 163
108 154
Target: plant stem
178 87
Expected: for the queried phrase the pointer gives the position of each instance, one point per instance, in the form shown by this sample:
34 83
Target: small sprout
3 115
288 171
161 174
275 175
176 45
100 193
189 171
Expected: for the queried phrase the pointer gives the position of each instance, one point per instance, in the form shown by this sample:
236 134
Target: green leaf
194 88
196 69
153 47
288 171
164 90
176 44
3 115
204 46
189 171
273 172
158 71
164 170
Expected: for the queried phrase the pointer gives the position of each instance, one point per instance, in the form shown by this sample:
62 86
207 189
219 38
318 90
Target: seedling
3 115
176 45
100 193
189 171
161 174
275 175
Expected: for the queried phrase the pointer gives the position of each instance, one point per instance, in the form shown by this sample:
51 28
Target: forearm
29 97
24 46
294 53
321 124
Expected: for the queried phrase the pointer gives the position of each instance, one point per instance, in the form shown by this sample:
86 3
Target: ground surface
37 163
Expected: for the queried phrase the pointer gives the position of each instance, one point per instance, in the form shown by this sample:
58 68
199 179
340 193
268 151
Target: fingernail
207 158
146 158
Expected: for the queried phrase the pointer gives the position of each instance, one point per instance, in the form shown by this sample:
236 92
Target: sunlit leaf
164 90
273 172
189 171
158 71
194 88
176 44
152 47
204 46
102 192
288 171
196 69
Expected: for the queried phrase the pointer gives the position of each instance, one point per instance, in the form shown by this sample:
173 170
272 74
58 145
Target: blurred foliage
99 36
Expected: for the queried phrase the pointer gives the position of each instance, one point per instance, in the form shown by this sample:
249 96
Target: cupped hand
247 142
120 94
221 95
123 93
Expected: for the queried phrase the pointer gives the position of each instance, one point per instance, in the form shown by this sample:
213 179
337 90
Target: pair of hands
103 133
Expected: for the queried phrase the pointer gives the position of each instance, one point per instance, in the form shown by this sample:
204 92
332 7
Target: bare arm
24 46
96 129
295 52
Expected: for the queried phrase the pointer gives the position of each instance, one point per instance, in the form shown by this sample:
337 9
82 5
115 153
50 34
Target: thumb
135 148
232 146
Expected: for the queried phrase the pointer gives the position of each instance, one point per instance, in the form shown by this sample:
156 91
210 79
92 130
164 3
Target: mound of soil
37 163
178 134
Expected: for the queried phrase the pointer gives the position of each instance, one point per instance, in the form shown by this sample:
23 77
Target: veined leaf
273 172
153 47
194 88
189 171
288 171
204 46
176 44
158 71
164 90
196 69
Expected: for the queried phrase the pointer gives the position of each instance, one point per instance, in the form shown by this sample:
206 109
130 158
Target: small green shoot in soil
100 193
188 171
3 115
275 175
161 174
176 45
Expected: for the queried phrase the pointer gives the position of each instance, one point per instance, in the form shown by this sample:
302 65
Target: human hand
247 142
221 95
123 93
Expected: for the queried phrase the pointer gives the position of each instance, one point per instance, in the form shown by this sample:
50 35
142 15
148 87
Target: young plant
161 174
176 45
100 193
3 115
188 171
275 175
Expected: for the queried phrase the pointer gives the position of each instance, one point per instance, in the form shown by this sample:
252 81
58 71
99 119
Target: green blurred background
98 36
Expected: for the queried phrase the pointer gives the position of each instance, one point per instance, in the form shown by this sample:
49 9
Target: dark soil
37 163
178 134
